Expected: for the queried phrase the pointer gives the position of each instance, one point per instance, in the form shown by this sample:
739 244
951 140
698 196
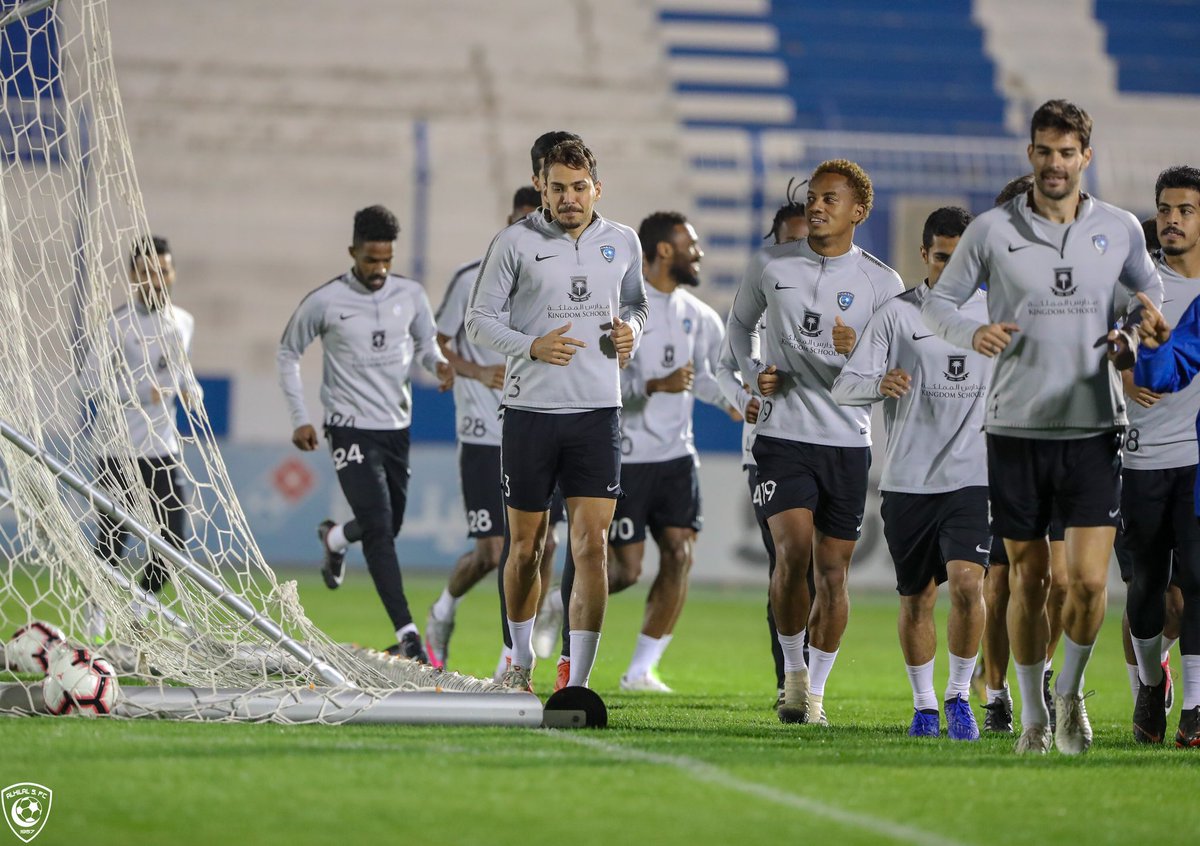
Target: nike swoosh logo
1114 513
779 287
543 258
1012 248
1167 301
917 337
983 550
345 316
612 488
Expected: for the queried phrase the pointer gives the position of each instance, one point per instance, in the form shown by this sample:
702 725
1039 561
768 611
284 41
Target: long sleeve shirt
476 405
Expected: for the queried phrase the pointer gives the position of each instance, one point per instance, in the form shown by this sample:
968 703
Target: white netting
70 211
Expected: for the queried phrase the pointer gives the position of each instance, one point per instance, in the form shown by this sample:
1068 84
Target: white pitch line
709 774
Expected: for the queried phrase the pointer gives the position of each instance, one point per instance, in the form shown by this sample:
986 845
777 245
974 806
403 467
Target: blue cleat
925 723
960 720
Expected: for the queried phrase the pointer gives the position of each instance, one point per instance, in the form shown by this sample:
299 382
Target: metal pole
25 10
206 579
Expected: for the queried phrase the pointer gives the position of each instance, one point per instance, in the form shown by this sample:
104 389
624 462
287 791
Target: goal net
190 616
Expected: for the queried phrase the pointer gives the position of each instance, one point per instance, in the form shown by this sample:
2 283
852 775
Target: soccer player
676 363
479 376
812 453
1157 499
1051 260
150 338
934 488
372 324
561 294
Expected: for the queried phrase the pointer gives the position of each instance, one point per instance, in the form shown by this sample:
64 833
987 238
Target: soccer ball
27 811
79 683
28 650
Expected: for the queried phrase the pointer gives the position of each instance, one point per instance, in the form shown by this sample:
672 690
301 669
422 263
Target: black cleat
409 647
1149 714
999 719
1049 697
1188 736
333 565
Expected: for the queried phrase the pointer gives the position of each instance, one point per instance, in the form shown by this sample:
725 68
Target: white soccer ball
79 683
27 651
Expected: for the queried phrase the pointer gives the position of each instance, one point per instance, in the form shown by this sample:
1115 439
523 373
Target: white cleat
816 711
793 705
649 682
547 624
1073 734
1034 740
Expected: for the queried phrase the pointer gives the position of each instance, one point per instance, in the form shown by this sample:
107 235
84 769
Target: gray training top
476 406
935 431
536 278
1058 284
802 293
729 379
369 340
1164 435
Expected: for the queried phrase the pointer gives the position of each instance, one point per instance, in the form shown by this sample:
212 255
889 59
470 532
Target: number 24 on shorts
343 457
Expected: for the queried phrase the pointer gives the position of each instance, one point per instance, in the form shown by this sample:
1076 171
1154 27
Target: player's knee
622 576
487 555
1090 586
831 580
966 592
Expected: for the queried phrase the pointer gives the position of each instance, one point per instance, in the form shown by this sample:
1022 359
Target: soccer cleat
650 682
1034 740
778 700
816 712
546 625
794 706
1149 715
925 723
562 676
999 719
1073 735
517 678
437 639
1188 736
1049 697
960 720
409 647
333 564
1169 698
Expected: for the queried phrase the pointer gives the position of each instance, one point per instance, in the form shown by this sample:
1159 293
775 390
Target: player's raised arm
962 277
866 378
497 275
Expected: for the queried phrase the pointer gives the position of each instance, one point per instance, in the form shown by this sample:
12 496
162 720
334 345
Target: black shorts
658 495
479 472
1057 533
1030 479
1158 520
925 531
580 452
829 481
558 508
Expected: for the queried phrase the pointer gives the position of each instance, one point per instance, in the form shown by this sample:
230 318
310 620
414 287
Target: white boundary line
703 772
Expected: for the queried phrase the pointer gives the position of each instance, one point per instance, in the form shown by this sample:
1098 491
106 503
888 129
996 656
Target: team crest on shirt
811 326
956 368
668 359
1100 242
378 339
845 299
608 252
1064 285
579 289
687 326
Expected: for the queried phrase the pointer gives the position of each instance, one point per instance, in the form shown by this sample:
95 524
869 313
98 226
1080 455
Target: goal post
222 638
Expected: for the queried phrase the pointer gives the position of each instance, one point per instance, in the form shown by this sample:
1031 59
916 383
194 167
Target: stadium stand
1153 43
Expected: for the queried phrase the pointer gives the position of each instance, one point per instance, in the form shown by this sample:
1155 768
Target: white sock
583 656
1003 693
1134 681
502 664
336 539
793 652
961 670
1075 659
646 655
445 606
1168 642
1191 681
1029 683
522 639
402 631
921 679
820 666
1149 658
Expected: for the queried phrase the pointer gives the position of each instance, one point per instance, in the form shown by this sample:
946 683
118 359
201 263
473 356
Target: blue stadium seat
1153 43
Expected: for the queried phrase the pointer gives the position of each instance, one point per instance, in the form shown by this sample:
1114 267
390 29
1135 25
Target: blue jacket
1174 364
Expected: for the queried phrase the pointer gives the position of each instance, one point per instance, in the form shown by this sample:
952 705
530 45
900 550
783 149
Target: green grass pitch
709 764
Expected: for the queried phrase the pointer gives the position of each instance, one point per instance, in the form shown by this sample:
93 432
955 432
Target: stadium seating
1154 44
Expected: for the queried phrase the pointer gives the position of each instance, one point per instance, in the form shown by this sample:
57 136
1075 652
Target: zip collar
549 227
847 258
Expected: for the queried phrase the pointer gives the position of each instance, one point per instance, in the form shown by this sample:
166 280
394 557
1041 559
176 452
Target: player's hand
622 338
305 438
734 414
676 383
843 336
895 383
991 340
1153 330
1122 348
1145 397
768 381
752 408
492 376
445 375
555 347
